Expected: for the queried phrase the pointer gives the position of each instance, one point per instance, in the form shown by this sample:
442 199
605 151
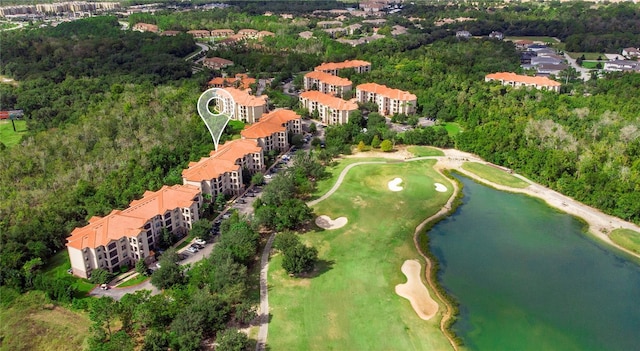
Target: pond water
527 277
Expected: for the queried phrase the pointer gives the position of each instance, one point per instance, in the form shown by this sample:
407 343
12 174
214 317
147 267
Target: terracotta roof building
272 131
199 33
248 33
331 110
222 33
145 27
123 237
248 108
326 83
335 67
216 62
516 80
221 172
241 81
390 101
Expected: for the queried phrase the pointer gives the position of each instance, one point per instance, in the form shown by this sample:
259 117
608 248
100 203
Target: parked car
200 241
104 287
267 176
198 246
192 249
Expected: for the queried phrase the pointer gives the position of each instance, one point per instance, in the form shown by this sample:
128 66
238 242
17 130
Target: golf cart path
264 296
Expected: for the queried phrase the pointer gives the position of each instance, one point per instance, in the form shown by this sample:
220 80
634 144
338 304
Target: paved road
584 73
118 293
264 296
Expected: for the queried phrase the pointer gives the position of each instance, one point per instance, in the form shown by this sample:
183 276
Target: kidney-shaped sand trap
394 185
441 188
414 291
326 222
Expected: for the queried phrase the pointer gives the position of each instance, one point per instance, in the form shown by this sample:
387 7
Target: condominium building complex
335 67
390 101
241 81
331 110
326 83
248 108
221 173
516 80
125 236
272 131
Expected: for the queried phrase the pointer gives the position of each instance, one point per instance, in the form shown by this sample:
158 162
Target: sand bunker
440 188
394 185
414 291
326 222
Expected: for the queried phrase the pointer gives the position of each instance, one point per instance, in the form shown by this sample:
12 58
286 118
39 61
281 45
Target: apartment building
335 67
216 62
331 110
327 83
222 33
248 108
222 171
390 101
145 27
199 33
272 131
240 81
516 80
125 236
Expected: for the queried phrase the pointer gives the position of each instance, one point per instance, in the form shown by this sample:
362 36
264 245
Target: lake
527 277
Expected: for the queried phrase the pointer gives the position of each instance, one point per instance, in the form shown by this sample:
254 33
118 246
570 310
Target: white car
200 241
267 176
192 249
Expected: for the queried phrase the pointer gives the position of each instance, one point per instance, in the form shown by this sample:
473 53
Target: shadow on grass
322 266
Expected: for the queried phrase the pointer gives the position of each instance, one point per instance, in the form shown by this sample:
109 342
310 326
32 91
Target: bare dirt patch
325 222
414 291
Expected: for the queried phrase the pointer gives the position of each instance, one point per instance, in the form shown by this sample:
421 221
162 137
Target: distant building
199 33
263 33
463 34
123 237
331 110
550 68
631 53
240 81
390 101
216 62
326 83
622 66
248 33
496 35
221 172
272 130
335 67
328 24
516 80
222 33
522 44
248 108
145 27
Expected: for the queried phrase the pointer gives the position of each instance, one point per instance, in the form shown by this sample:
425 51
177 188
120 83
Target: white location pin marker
223 107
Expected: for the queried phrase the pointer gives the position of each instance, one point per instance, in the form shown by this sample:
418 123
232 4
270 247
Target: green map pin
222 104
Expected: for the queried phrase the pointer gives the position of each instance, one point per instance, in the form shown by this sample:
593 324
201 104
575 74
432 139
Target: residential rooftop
328 100
383 90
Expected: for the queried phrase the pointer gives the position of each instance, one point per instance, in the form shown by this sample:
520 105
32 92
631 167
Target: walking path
264 296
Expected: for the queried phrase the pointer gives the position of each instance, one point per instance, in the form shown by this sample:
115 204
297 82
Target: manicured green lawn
57 267
534 38
134 281
587 55
495 175
7 136
323 185
626 238
424 151
452 128
591 64
350 303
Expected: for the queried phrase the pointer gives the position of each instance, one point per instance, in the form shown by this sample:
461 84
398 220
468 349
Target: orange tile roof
386 91
243 82
270 123
243 98
328 78
129 222
265 33
512 77
236 149
208 168
342 65
328 100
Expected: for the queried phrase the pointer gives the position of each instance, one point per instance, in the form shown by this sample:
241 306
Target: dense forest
111 113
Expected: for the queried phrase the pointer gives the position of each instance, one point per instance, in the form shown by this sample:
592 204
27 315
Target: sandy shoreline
600 224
